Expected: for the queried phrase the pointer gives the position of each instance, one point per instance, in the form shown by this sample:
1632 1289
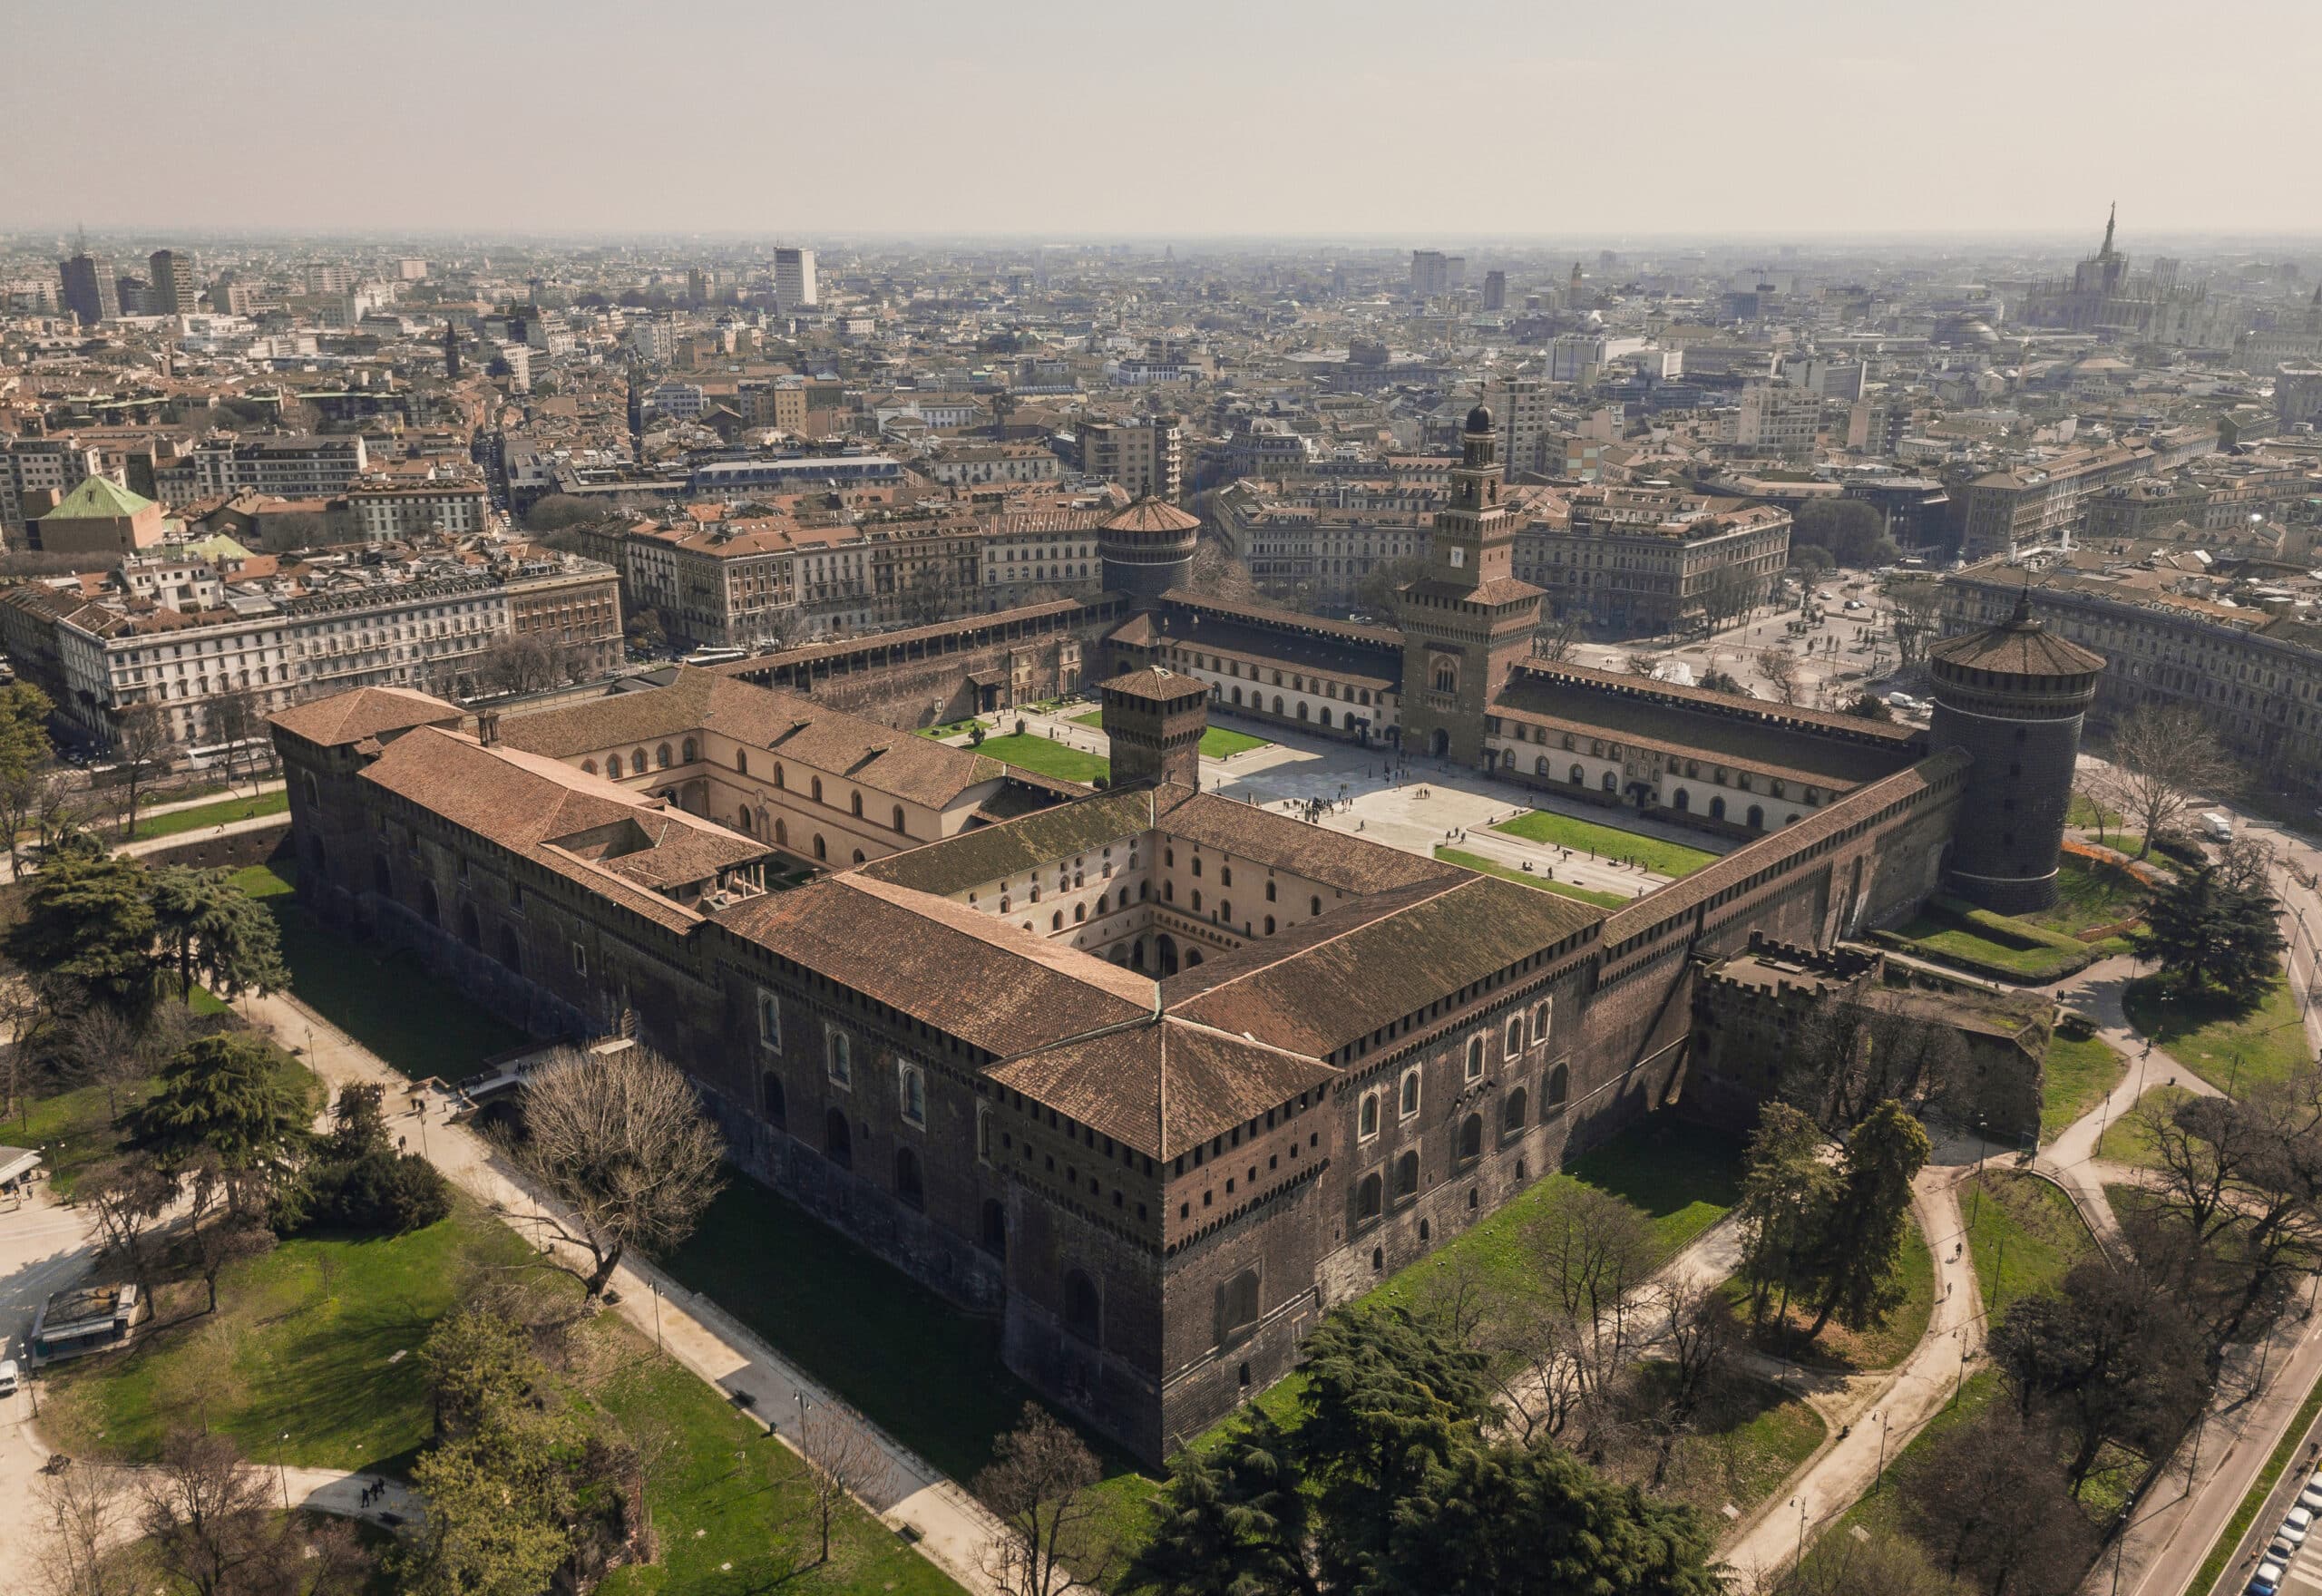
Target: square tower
1155 719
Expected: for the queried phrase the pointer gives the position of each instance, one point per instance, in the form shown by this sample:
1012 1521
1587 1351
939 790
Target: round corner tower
2013 697
1148 548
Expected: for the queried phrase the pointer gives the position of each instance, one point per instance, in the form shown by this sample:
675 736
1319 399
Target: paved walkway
950 1527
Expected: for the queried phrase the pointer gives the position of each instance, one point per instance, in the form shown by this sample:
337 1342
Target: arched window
1559 1084
854 802
993 1231
1277 703
1717 808
1102 898
772 1101
1226 909
815 789
1447 676
692 752
1612 782
1196 867
512 952
1193 957
1083 1314
613 766
895 821
907 1188
314 794
661 756
1407 1177
1471 1138
1367 1116
742 764
428 909
1684 801
1269 892
1143 891
1237 1306
1168 892
838 1139
1237 697
1368 1205
1543 1014
745 818
1079 913
1757 818
1475 1057
781 833
858 856
1302 709
1540 766
1326 717
821 849
1578 777
1056 921
1408 1100
1269 925
636 761
781 776
1511 1113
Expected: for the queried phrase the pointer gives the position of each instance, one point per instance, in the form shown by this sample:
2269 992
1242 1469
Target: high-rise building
329 277
1455 272
177 282
1495 290
1431 273
1521 406
90 291
411 272
794 278
1146 457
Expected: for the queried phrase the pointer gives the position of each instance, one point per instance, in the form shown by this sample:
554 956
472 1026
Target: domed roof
1150 514
2020 646
1479 419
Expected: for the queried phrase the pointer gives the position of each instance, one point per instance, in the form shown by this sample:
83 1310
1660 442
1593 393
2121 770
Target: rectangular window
769 1021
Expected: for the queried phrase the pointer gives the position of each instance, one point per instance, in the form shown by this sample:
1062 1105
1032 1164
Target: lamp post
283 1475
1880 1476
1961 1385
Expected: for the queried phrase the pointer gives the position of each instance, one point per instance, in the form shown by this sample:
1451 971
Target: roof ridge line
1451 883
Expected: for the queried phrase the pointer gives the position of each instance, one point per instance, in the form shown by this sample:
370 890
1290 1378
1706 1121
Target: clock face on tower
1458 558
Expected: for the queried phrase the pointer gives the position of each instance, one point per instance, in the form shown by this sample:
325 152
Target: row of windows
1372 1193
1512 1043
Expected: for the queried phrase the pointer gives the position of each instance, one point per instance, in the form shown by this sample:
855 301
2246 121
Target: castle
1153 1074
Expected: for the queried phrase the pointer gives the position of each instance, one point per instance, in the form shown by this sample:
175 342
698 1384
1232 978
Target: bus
714 656
243 755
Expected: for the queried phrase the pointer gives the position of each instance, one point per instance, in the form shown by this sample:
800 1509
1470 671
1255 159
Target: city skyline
527 121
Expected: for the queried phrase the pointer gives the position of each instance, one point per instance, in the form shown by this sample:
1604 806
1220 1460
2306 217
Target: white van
2217 826
9 1377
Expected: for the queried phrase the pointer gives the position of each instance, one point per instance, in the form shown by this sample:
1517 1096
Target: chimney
487 728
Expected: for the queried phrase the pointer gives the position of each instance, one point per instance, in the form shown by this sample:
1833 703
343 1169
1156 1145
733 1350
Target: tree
83 1513
1852 530
1878 1563
1858 1252
115 1047
219 1230
236 716
843 1462
1871 707
26 754
1730 594
1811 561
1040 1487
1553 642
1215 573
128 1196
1380 590
226 1096
2205 931
1988 1498
209 1516
87 927
1592 1253
358 1181
619 1141
1779 666
2165 756
1726 681
210 927
1848 1053
1786 1188
521 662
1234 1518
142 745
1916 614
555 511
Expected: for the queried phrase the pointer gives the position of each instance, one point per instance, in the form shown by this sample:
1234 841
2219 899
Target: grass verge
1529 878
2223 1040
1035 753
2074 1078
2089 894
1216 742
203 817
1564 830
377 1000
2127 1140
1854 1351
2023 1235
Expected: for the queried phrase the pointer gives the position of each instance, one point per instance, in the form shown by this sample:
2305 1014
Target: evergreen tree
1234 1520
2205 930
1858 1250
225 1096
1787 1188
211 927
88 925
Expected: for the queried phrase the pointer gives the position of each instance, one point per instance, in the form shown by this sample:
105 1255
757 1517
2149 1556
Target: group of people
374 1491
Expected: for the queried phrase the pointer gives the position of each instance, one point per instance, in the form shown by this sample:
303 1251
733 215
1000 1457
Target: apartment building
386 511
1774 418
794 280
1635 563
40 465
959 465
1146 457
176 282
289 465
2042 501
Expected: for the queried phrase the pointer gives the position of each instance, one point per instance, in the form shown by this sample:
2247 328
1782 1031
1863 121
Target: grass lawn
74 1129
2223 1041
2037 955
1529 878
2023 1235
1881 1507
393 1004
202 817
2127 1141
2075 1077
304 1341
1216 742
2087 813
1546 825
1852 1351
726 1498
1045 756
1750 1437
2089 895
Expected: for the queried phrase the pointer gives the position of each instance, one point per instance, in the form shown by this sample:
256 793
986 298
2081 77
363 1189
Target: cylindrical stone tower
1148 547
2013 697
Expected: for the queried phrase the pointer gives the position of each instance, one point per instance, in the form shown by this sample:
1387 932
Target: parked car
2266 1582
2310 1498
9 1377
2295 1527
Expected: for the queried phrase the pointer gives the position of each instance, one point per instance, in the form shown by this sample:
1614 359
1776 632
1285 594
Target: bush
388 1192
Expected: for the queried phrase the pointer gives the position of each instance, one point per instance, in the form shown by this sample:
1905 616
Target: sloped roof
367 712
2019 646
99 498
1150 514
1163 1086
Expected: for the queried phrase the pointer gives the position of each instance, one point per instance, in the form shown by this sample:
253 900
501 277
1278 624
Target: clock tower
1467 621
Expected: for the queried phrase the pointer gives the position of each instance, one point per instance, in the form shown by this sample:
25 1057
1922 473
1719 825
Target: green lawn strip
1661 858
1953 933
201 817
1854 1351
2127 1140
1216 742
2222 1549
75 1129
2227 1042
1047 757
1529 878
2088 815
392 1004
2023 1235
1748 1438
727 1499
2075 1077
304 1341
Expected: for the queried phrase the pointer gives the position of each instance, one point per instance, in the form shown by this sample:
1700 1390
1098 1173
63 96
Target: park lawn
1216 742
1854 1351
1661 858
2089 895
1881 1507
2223 1041
202 817
2039 955
1047 757
2075 1077
2089 815
2023 1236
1750 1437
727 1499
77 1129
2127 1140
305 1341
1529 878
394 1005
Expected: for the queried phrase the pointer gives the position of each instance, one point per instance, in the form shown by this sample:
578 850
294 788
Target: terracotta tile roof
993 852
1163 1086
2021 647
1154 685
1149 514
367 712
791 725
1350 864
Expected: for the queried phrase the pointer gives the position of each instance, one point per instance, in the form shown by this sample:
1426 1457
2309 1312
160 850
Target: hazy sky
1206 117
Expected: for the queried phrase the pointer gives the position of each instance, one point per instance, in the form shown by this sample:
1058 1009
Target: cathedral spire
2110 216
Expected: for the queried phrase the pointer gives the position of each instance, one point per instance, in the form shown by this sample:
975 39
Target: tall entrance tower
1468 621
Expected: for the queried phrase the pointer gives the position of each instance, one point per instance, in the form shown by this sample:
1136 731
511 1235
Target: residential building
1145 457
43 466
1430 274
91 290
176 282
387 510
289 465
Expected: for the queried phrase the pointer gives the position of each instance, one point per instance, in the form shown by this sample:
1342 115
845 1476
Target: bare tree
844 1460
1916 616
1215 573
59 809
2246 864
128 1196
1539 1353
619 1139
84 1513
1553 642
518 662
1592 1253
1041 1486
238 718
219 1228
142 744
1642 664
1694 1335
2163 757
208 1514
1779 668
